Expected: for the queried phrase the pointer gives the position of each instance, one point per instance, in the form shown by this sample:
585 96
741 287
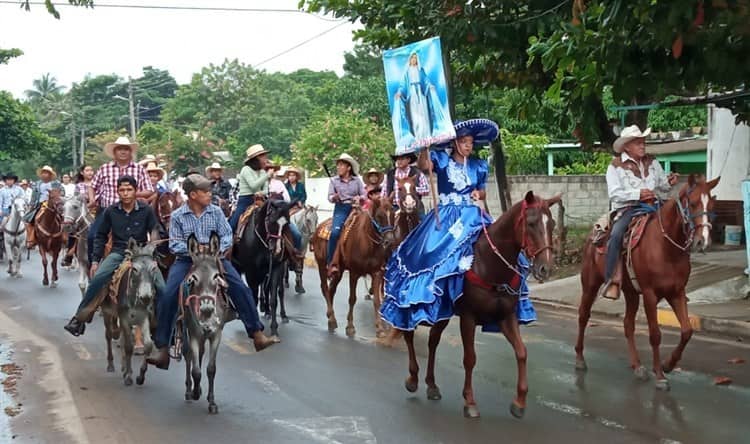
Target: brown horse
489 297
661 267
407 216
163 207
49 235
366 242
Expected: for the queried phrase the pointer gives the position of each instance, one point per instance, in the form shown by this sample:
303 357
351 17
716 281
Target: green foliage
50 5
365 61
677 118
585 163
524 154
183 151
7 54
339 131
20 133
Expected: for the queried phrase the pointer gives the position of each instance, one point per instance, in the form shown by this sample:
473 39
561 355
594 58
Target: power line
286 51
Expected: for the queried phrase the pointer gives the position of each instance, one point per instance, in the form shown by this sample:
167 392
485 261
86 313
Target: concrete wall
728 153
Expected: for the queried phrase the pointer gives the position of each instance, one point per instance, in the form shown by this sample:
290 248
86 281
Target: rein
194 301
688 226
18 229
380 230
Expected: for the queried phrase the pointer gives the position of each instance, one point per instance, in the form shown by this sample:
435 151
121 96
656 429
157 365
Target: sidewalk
716 289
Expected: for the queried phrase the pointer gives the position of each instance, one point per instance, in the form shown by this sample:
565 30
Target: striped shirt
184 223
82 188
105 181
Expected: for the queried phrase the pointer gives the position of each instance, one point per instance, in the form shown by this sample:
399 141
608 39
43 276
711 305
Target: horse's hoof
350 331
45 284
581 365
662 384
53 284
284 320
140 380
411 386
433 393
517 411
267 316
110 368
128 381
197 394
299 290
471 411
213 409
368 297
138 350
641 373
188 396
666 368
332 325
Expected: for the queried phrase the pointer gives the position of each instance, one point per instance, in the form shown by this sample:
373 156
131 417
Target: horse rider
633 177
8 194
295 187
127 218
221 189
40 195
252 179
103 191
83 182
199 217
69 188
277 187
403 169
27 191
344 190
155 176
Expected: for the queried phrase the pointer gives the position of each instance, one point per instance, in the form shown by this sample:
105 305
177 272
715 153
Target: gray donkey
76 222
205 311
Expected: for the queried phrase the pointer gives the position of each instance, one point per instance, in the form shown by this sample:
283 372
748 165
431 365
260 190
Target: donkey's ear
132 245
193 246
711 184
556 199
529 198
214 244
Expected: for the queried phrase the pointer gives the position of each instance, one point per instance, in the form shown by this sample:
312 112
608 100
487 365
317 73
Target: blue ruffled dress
425 275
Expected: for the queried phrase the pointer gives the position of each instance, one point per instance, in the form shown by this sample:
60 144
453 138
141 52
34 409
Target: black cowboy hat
10 176
412 156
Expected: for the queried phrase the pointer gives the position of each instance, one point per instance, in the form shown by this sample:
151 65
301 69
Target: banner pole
435 201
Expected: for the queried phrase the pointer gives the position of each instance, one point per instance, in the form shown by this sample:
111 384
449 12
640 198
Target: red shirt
105 181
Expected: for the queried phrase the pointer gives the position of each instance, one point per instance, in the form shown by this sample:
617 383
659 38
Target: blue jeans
243 203
340 213
93 228
296 236
614 244
107 268
238 292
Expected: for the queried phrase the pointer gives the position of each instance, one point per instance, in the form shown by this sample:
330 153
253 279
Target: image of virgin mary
417 112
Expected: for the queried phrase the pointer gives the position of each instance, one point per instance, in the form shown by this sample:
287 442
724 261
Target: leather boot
160 358
75 327
30 237
262 342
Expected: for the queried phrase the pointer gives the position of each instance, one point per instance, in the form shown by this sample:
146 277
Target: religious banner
418 95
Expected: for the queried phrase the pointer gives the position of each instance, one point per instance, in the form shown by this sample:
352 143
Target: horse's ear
214 244
316 207
556 199
529 198
692 180
193 246
711 184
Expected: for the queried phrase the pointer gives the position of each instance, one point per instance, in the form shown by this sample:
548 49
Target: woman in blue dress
425 275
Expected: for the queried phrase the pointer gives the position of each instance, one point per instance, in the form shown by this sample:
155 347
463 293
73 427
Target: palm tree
45 89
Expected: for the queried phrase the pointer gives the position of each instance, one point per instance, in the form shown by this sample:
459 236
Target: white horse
306 221
14 231
76 222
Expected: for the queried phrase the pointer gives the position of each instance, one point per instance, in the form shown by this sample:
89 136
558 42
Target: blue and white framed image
418 95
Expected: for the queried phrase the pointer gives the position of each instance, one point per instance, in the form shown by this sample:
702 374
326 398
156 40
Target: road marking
81 351
267 385
239 348
333 429
575 411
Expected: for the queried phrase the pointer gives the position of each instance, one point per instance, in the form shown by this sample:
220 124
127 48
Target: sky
122 41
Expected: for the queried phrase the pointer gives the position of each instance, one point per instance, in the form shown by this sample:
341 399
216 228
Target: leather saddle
601 231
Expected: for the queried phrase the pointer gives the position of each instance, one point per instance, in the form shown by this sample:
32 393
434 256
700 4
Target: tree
45 89
644 49
152 91
51 6
95 106
20 134
7 54
365 61
183 151
339 131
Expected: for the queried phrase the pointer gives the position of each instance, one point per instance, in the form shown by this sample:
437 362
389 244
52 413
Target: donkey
205 310
14 232
306 220
136 296
76 222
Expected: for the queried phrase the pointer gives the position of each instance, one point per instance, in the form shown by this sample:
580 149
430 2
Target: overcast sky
122 41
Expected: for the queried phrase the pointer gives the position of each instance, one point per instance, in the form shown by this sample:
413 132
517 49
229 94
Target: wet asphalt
321 387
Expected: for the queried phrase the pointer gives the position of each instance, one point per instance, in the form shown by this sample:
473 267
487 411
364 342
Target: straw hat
148 158
378 176
254 151
350 160
272 166
629 133
296 171
214 166
109 148
153 167
48 169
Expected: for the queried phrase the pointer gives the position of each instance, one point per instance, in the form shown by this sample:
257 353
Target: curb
666 318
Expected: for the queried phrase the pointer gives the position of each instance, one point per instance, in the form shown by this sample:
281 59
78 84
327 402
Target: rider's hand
335 198
92 206
672 178
647 195
92 269
476 195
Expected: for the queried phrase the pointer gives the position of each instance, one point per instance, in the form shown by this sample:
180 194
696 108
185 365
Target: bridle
57 219
19 220
380 230
689 227
194 302
80 223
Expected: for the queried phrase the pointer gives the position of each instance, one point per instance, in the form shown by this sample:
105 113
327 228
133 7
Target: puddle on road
10 373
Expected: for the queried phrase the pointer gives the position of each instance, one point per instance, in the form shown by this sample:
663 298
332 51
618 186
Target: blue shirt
184 223
8 195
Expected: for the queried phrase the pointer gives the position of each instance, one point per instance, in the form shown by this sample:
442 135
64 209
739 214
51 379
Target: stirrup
604 290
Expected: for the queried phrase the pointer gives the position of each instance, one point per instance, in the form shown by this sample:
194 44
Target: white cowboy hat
295 170
214 166
154 167
148 158
48 169
254 151
629 133
350 160
109 148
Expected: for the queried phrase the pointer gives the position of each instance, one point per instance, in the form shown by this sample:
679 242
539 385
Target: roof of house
680 146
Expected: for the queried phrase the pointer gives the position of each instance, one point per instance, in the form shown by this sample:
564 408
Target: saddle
600 233
324 230
242 223
114 284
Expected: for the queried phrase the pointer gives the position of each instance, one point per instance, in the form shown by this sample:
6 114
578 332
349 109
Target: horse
14 236
307 221
660 270
76 222
366 242
261 254
489 298
205 310
163 207
133 305
49 235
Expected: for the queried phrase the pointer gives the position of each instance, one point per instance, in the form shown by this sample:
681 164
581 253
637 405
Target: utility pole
137 116
83 145
73 146
131 103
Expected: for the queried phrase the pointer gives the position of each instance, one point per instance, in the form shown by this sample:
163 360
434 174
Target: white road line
267 385
81 351
333 429
236 346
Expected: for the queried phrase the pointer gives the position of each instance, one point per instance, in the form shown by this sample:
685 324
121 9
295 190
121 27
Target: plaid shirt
184 223
105 181
423 187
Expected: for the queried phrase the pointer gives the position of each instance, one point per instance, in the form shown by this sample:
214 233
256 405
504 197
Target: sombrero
627 134
148 158
296 171
214 166
373 172
350 160
109 148
484 131
154 167
48 169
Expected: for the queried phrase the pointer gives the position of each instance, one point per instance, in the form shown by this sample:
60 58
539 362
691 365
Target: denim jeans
167 306
296 236
340 213
614 244
93 228
243 202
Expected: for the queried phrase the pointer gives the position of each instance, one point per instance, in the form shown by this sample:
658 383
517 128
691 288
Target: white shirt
69 190
626 178
278 187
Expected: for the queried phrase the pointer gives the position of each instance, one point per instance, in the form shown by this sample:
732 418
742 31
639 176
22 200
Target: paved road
318 387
